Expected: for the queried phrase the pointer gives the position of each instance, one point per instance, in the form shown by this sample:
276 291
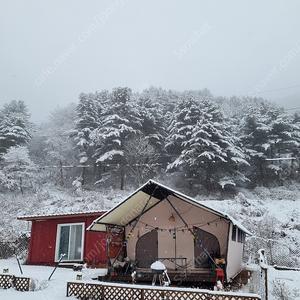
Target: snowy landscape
269 214
98 97
238 155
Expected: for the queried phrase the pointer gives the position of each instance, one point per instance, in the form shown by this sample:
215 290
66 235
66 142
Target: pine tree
87 119
206 146
266 134
120 123
153 121
58 145
15 128
18 171
295 163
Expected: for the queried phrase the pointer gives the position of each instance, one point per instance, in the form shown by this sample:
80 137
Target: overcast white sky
51 51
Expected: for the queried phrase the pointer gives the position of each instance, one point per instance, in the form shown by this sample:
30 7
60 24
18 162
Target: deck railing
107 291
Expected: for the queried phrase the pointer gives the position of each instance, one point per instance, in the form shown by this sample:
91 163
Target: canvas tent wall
174 239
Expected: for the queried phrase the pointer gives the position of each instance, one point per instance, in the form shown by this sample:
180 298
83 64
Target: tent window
241 236
70 241
233 236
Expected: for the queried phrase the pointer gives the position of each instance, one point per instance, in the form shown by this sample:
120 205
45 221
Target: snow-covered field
40 287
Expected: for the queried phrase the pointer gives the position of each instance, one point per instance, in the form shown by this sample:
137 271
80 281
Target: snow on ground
41 288
284 282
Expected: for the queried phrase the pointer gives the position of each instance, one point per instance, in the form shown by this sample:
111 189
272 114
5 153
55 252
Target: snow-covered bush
37 284
282 292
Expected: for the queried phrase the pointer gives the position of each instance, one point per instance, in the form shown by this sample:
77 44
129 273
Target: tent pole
131 231
107 246
190 230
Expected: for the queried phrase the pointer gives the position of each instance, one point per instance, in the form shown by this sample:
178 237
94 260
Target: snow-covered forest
118 138
90 156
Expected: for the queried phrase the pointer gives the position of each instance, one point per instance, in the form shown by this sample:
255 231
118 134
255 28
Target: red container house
53 235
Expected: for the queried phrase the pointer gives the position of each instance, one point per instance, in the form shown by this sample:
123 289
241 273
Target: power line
85 166
292 108
285 88
281 158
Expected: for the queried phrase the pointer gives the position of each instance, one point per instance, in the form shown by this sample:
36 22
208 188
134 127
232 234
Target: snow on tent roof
142 200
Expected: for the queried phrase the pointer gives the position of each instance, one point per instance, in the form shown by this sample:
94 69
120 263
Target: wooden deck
178 277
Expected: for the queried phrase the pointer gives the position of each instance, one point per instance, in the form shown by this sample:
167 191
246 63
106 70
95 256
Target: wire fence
277 253
19 247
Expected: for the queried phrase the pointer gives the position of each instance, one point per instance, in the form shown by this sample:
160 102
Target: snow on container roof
62 216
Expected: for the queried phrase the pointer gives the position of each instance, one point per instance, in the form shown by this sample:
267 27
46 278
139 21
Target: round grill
158 267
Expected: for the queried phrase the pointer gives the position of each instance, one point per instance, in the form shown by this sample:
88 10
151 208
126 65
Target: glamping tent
155 223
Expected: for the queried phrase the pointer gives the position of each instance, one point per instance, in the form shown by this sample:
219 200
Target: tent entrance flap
133 227
212 246
144 254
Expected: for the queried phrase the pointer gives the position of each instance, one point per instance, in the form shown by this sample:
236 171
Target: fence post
102 291
264 283
263 274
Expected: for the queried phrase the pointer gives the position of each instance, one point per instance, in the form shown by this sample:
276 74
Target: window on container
233 235
70 241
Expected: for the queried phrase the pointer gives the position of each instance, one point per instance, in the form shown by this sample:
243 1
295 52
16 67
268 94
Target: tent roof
146 197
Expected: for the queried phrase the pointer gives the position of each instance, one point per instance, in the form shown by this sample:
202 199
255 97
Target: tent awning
142 200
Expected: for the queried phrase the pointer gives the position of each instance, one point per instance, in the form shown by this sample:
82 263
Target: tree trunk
21 186
122 175
208 177
261 171
61 173
82 175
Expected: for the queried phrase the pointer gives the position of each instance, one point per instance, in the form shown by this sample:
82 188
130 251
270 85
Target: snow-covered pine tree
295 164
59 147
87 119
17 169
120 123
165 99
207 149
15 128
266 134
153 120
282 142
181 121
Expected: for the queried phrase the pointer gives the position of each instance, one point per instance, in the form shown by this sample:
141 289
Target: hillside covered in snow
271 215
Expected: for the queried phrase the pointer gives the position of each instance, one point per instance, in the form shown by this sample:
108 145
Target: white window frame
58 240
